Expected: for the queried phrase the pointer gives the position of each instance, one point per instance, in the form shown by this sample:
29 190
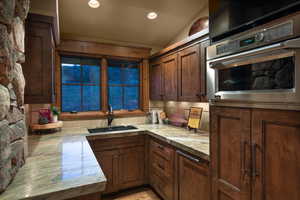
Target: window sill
100 115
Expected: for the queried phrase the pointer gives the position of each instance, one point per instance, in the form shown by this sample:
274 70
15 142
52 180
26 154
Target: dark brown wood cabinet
156 81
170 80
180 75
255 154
161 169
229 138
39 65
109 164
275 154
189 70
122 161
193 178
131 167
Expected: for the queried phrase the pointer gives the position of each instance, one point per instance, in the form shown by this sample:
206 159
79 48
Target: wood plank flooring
139 194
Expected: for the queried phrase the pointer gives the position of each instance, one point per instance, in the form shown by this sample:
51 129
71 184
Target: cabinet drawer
162 150
162 166
162 186
117 143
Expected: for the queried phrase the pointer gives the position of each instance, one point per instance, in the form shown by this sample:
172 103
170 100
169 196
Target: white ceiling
125 20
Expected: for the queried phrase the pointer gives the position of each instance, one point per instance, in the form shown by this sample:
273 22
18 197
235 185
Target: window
80 84
124 84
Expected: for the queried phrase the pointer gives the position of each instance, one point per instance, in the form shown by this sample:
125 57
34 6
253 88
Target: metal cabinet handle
254 169
245 170
188 156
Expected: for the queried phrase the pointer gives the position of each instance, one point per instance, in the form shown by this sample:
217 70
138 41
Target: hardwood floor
138 194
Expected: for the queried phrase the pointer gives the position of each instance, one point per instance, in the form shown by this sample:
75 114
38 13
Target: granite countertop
62 165
196 144
59 166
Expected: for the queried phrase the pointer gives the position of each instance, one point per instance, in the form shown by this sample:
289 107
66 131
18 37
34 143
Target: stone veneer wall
12 83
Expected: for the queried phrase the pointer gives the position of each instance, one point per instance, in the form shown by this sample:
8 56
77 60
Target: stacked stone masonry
12 83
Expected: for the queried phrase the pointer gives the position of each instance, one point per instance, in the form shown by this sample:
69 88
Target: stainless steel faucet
110 116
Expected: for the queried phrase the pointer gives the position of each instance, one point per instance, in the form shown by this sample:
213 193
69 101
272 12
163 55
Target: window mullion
81 88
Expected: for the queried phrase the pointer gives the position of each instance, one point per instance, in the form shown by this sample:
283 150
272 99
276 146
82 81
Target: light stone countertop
63 165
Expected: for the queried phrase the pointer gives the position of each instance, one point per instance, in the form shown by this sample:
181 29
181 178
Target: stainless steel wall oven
267 72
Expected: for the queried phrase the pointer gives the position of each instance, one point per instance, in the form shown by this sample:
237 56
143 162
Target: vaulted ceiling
123 21
126 21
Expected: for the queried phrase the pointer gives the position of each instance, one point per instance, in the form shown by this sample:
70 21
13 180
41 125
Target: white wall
185 32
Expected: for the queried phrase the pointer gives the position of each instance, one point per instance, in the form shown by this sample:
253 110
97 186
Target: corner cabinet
181 75
255 154
40 60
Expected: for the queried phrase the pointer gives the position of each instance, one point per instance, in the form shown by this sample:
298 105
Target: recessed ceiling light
152 15
94 3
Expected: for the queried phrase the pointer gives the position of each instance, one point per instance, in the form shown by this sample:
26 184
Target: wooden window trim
144 91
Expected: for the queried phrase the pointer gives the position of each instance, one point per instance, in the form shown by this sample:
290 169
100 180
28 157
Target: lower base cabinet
175 175
109 161
193 178
131 167
122 161
255 154
128 162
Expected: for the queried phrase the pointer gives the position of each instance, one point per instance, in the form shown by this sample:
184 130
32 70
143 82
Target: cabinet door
131 167
156 74
230 153
193 183
276 155
170 77
38 66
108 161
189 71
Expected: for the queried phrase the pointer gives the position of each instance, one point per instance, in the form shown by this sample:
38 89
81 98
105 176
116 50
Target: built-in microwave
265 74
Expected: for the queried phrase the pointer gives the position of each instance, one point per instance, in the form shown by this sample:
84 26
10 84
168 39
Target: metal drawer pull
254 169
188 156
245 169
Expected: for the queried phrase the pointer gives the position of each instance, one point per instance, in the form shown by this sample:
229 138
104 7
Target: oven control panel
255 39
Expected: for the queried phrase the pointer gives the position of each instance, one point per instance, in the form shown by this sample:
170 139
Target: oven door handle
284 47
291 44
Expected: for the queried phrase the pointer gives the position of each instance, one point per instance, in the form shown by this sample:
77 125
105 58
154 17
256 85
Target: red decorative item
45 113
178 119
199 25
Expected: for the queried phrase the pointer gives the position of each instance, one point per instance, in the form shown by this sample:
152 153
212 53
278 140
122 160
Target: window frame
143 88
123 85
82 84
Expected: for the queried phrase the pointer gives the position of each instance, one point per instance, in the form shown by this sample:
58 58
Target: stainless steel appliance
229 17
260 66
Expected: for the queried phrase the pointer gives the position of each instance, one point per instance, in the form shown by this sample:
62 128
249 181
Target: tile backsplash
171 107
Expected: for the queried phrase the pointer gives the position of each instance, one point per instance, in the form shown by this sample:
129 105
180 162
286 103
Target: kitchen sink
110 129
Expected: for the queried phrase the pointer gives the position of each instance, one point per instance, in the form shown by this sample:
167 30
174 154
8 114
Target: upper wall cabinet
180 75
170 77
39 65
156 81
189 81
